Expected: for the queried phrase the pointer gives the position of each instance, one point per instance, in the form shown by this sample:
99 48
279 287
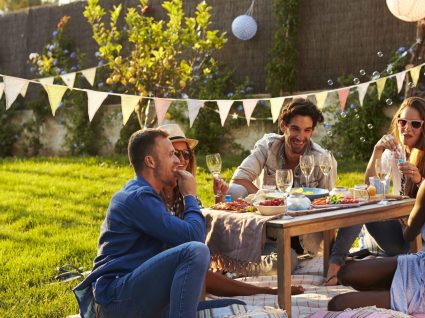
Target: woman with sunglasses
406 140
216 283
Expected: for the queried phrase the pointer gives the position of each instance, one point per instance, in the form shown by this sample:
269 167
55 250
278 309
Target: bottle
228 198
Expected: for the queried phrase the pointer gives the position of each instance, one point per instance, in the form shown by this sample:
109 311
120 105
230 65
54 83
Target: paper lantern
407 10
244 27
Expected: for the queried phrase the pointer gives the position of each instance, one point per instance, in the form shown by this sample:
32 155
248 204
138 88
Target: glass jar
298 201
343 191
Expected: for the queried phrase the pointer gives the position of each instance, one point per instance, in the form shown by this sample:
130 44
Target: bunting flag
193 106
12 88
161 107
224 109
94 101
90 75
320 99
248 106
69 79
415 73
362 89
342 95
46 80
400 79
128 103
1 89
55 94
380 85
275 107
24 89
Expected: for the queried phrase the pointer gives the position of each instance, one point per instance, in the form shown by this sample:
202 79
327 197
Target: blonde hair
417 152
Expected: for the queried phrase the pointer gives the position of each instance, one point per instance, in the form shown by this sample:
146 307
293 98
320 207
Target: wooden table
326 222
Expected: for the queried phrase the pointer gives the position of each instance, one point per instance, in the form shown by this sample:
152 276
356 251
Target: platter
311 193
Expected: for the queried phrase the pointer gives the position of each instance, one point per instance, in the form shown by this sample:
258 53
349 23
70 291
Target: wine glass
284 180
325 164
383 173
307 166
214 166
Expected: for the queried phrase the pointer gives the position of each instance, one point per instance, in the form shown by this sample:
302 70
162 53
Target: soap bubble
362 72
389 101
330 82
370 126
380 54
376 75
411 84
356 81
357 116
343 114
389 69
362 139
330 133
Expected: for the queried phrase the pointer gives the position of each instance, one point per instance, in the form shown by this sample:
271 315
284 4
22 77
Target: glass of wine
383 173
214 166
307 166
325 164
284 180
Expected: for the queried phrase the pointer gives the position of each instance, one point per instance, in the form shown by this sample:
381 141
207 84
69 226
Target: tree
153 57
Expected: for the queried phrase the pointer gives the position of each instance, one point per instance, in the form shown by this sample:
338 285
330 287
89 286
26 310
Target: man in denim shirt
148 261
297 121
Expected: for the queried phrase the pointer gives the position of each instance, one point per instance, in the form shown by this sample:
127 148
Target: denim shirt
268 156
137 227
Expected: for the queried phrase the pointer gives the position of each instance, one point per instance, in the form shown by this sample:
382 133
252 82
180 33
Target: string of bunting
13 86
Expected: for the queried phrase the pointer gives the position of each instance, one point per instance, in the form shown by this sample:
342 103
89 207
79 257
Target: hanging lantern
244 26
407 10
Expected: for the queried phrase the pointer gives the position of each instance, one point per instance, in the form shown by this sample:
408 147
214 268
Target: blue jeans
382 238
168 282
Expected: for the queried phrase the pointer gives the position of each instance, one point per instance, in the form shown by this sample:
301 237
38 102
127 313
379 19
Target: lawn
50 213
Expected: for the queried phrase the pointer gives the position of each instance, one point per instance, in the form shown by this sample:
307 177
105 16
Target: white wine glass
383 173
325 164
284 180
214 166
307 166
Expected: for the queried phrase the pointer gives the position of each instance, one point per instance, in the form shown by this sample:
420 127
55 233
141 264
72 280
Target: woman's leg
343 242
386 237
174 277
373 274
341 302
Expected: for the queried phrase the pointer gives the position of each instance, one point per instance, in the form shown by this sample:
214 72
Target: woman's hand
411 171
386 142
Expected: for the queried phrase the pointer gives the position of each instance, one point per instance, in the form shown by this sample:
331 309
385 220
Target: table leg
284 271
328 240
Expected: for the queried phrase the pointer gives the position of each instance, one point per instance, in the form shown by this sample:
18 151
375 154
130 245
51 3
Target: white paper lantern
244 27
407 10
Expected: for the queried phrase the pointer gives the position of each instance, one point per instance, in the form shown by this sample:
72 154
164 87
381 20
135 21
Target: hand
220 187
186 182
386 142
411 171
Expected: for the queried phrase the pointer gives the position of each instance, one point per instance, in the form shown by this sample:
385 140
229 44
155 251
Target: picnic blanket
236 240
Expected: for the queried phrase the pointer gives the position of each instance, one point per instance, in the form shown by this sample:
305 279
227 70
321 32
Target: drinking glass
325 164
214 166
284 180
307 166
383 173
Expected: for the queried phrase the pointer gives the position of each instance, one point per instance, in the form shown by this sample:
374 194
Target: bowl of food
271 207
311 193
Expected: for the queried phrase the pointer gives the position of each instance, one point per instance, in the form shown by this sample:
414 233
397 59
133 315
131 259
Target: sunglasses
186 154
413 123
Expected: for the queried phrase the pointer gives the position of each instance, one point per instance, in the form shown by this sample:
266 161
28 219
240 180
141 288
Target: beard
160 173
295 147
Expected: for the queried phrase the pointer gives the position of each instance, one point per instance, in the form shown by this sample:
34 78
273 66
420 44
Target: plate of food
311 193
271 207
238 205
335 200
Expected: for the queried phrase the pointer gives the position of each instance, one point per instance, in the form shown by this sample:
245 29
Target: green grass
50 213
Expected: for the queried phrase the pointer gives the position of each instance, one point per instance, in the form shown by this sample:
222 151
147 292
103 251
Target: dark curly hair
300 107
